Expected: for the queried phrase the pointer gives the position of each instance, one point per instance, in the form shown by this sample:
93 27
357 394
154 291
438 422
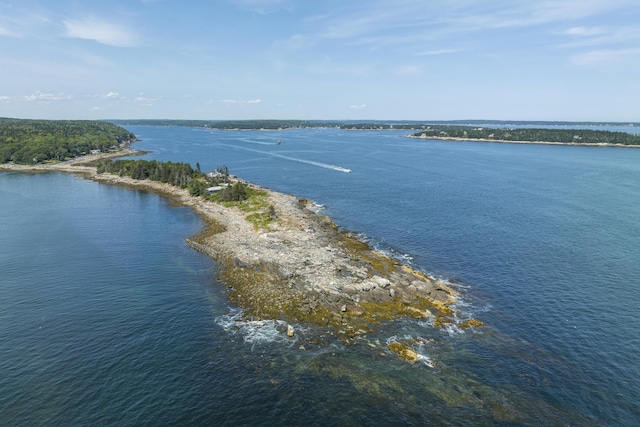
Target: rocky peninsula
299 268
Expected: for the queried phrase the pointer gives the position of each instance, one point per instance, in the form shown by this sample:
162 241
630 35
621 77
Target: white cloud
358 107
532 13
605 57
111 95
621 36
47 97
6 32
295 42
147 101
437 52
241 102
328 66
408 70
415 22
584 32
100 31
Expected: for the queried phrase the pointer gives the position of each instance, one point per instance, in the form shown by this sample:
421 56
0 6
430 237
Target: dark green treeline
180 175
35 141
558 136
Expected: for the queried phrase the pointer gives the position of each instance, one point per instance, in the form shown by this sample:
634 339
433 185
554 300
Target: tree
23 140
234 193
197 188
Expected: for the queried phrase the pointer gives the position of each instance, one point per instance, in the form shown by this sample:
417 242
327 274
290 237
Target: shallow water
109 318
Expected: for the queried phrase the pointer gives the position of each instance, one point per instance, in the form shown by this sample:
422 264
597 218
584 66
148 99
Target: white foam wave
426 360
255 332
453 329
406 259
317 208
419 348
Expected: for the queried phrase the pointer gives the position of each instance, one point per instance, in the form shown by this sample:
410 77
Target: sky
566 60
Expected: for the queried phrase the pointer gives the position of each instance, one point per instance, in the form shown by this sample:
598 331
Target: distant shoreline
503 141
302 268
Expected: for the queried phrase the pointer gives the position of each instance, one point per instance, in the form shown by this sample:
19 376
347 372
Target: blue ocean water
109 318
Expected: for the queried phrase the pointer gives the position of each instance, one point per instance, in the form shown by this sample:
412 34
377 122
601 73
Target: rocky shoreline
301 268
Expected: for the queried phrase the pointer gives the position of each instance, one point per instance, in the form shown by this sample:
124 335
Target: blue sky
329 59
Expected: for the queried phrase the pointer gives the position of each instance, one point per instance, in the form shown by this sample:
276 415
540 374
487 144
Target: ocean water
109 318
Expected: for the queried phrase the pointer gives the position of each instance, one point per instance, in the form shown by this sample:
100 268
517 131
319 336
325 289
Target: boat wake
253 141
295 159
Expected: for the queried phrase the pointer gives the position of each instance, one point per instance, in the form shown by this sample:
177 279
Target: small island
279 259
530 136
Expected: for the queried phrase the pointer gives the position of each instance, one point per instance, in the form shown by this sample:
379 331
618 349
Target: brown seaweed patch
258 289
471 323
419 308
362 378
379 264
404 352
211 228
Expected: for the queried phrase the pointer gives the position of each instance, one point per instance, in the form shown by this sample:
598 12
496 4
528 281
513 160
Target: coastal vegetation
553 132
178 174
554 136
218 186
352 125
276 124
232 124
36 141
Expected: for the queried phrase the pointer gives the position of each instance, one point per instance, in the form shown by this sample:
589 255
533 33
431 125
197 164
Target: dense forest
217 186
349 124
382 126
178 174
35 141
276 124
232 124
558 136
181 175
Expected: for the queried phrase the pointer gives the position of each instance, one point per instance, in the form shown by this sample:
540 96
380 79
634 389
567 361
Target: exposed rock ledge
302 269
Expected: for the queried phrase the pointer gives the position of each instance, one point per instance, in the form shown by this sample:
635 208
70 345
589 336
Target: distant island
530 135
501 131
25 141
349 124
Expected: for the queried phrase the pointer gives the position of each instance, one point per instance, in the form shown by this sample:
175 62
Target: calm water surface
108 318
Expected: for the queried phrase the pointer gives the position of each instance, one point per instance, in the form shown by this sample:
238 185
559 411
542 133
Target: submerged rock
404 352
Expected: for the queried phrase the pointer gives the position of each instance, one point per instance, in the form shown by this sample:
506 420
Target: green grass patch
261 212
260 220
